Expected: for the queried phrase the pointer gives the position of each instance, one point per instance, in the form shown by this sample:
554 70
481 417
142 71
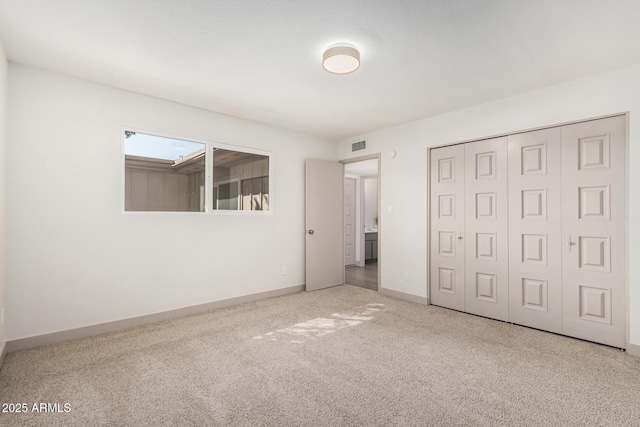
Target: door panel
486 228
593 230
323 222
446 279
535 270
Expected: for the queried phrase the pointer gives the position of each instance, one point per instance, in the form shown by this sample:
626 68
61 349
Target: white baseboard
633 349
403 296
87 331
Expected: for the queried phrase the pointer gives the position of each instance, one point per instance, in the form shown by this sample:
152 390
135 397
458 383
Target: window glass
163 174
168 174
240 180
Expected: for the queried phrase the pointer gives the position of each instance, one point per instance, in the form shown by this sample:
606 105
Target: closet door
486 228
535 270
593 230
447 226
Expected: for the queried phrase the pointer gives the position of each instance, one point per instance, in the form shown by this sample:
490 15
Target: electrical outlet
285 270
405 275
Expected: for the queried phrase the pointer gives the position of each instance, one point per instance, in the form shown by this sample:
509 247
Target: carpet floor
340 356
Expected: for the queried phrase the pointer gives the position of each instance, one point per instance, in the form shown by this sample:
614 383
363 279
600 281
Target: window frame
208 185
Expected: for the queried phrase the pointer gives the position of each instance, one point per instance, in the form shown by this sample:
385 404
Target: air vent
357 146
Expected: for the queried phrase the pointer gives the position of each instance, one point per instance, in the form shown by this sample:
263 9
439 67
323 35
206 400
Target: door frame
377 156
626 201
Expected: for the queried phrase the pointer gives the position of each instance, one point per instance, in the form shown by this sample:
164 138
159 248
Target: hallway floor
364 277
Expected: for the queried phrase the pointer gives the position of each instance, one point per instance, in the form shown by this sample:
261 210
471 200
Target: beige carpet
342 356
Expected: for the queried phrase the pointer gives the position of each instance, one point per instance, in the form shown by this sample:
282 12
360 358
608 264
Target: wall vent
357 146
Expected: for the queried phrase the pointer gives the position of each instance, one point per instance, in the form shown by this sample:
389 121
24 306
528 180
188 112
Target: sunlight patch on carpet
321 326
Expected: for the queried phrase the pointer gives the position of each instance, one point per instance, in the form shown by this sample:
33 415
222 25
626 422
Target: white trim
633 349
404 296
3 353
208 182
428 208
361 234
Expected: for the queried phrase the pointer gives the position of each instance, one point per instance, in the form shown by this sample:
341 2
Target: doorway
361 222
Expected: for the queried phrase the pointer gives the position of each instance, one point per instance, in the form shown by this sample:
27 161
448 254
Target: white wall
404 178
3 186
78 261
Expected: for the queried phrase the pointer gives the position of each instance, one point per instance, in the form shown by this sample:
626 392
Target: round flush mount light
341 59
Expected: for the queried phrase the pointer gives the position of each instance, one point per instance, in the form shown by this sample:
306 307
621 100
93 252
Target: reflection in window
240 180
163 174
167 174
226 195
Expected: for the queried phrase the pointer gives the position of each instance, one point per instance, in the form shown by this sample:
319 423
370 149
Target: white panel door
349 221
486 228
593 229
447 287
535 270
323 220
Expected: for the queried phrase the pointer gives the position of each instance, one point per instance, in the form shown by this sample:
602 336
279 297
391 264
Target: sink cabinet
370 247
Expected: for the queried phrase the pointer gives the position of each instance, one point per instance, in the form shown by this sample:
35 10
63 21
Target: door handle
310 231
570 243
460 237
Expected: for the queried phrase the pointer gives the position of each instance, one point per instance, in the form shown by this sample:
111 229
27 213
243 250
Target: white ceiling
261 59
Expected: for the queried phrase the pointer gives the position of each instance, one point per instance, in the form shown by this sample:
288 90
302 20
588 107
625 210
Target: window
167 174
240 180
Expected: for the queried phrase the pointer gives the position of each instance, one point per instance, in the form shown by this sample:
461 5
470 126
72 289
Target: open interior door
323 223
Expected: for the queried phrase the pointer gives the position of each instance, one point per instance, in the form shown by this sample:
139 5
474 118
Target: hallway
364 277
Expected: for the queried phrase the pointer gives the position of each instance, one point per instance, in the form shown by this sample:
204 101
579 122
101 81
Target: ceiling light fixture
341 59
